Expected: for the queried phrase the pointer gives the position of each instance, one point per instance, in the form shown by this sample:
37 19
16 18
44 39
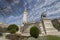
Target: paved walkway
28 34
3 37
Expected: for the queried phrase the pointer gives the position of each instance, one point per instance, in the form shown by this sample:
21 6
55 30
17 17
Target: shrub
1 34
12 28
13 37
34 32
56 24
12 31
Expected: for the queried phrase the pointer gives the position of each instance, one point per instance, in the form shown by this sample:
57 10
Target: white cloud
16 1
48 2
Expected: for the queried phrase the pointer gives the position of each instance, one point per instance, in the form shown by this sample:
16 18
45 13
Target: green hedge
34 32
12 28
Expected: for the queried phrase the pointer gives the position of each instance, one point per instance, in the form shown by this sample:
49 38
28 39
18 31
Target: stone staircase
3 37
50 30
42 30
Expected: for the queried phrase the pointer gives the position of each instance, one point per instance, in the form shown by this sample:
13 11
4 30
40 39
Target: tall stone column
24 20
21 28
25 16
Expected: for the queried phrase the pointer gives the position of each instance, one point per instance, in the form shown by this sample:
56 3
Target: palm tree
42 16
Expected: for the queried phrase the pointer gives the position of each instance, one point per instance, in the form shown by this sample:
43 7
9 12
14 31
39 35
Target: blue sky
12 12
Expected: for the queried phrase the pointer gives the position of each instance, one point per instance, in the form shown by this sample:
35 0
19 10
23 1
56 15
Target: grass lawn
52 37
49 37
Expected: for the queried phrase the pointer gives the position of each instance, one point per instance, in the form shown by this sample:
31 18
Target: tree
56 24
12 28
34 32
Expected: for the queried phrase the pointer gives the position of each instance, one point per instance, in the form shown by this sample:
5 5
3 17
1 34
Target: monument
47 29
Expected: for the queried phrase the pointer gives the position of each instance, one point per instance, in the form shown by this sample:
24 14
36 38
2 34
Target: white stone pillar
25 16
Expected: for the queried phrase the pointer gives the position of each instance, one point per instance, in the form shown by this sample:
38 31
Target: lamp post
42 16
